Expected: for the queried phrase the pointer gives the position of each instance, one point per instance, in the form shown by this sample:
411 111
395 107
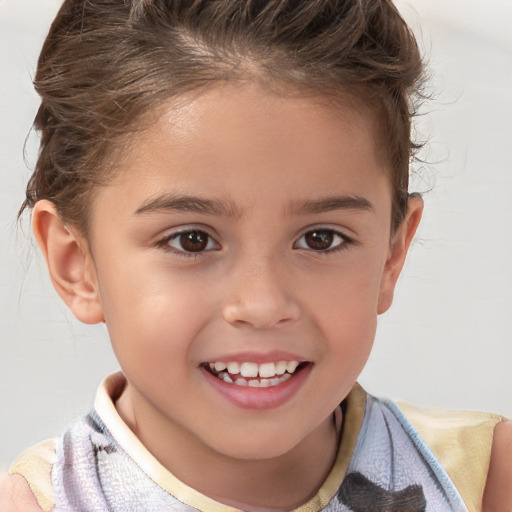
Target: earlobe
69 263
398 251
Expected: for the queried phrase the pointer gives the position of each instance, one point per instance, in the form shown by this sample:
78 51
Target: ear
398 251
69 263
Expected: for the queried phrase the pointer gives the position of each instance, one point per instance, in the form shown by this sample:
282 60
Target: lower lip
248 397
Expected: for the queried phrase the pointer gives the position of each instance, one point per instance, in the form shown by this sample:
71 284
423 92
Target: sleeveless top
391 458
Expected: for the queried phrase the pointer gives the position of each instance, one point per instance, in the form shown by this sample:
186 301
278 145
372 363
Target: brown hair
105 63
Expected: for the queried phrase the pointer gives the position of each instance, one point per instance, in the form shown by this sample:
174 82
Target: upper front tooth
267 370
281 367
291 366
233 368
249 370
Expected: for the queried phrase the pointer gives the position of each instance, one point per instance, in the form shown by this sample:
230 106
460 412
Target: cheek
349 334
152 318
344 309
349 292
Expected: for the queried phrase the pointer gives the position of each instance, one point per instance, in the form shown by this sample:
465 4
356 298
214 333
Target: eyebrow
191 204
329 204
203 206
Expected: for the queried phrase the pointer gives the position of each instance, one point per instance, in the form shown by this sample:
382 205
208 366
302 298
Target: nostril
259 316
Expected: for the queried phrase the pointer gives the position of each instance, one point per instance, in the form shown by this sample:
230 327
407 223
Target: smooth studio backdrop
447 340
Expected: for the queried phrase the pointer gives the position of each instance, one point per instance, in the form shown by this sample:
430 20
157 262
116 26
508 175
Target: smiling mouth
255 375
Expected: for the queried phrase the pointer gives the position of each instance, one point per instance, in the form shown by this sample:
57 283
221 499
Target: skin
258 287
16 496
498 491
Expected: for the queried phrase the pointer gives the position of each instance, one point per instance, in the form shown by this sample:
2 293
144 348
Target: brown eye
193 241
321 240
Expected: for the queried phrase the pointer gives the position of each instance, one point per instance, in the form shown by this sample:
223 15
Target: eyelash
342 246
164 243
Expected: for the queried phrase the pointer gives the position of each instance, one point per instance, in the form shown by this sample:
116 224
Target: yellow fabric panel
461 441
35 466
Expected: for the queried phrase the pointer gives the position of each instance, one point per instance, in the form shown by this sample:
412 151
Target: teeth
264 383
280 367
270 374
265 370
291 366
226 378
249 370
233 368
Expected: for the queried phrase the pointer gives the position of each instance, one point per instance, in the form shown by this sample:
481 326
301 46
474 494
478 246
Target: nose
261 296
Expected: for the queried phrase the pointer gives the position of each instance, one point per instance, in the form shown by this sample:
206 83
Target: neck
260 485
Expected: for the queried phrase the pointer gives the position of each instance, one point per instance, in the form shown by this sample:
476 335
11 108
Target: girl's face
246 234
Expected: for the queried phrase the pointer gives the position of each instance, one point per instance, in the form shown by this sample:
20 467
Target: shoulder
498 489
16 496
462 442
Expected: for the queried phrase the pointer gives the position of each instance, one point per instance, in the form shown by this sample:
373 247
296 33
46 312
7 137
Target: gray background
447 341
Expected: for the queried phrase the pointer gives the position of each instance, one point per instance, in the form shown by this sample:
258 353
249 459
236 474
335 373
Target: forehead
242 140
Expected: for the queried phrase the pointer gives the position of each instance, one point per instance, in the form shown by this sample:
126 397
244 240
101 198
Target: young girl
224 183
